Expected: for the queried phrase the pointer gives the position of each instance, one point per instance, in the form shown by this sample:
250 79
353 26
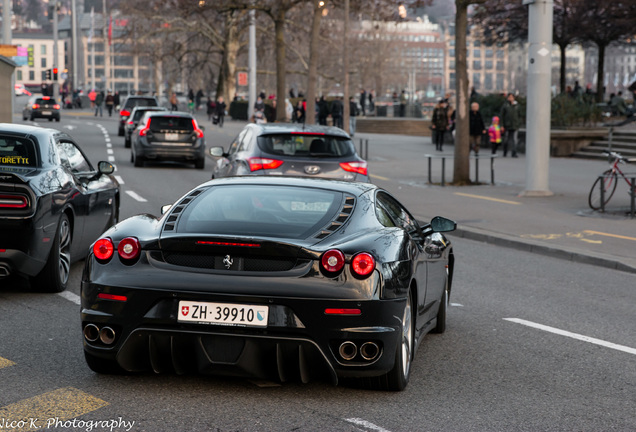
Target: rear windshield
139 114
260 210
166 123
131 103
17 152
45 101
306 145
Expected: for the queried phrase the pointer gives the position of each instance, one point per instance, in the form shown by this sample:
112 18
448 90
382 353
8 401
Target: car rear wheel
137 160
200 163
127 142
120 131
440 327
54 275
103 366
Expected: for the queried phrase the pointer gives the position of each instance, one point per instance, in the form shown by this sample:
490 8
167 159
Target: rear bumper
170 152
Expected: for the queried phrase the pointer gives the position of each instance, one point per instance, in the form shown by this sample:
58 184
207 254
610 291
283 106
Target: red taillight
356 167
46 97
362 265
197 131
13 201
124 113
257 163
340 311
144 131
129 249
332 261
35 106
130 122
103 249
56 106
105 296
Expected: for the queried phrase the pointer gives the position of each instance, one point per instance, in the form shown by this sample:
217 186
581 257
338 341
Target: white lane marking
137 197
119 179
111 158
366 424
109 151
457 305
573 335
74 298
70 127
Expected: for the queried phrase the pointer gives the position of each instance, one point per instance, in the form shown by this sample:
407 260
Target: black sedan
168 136
292 150
41 107
279 278
53 204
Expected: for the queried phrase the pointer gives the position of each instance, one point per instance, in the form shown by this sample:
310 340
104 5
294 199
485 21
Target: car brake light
103 249
13 201
130 122
129 249
35 106
145 129
56 106
124 113
356 167
341 311
197 131
257 163
332 261
363 264
106 296
46 97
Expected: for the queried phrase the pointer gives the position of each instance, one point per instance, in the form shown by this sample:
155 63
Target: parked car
53 204
41 107
168 136
279 278
20 90
133 120
292 150
128 105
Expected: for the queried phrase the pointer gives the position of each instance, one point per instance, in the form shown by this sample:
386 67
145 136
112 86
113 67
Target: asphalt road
533 344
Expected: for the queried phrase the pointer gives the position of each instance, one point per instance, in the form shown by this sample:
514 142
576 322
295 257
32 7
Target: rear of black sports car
286 306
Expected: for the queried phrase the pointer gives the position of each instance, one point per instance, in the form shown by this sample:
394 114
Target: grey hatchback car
291 150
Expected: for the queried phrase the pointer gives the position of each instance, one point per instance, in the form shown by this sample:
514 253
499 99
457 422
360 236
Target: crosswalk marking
58 405
5 363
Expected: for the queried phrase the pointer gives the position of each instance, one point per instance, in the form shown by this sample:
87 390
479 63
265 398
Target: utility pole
345 63
251 66
74 82
538 117
56 86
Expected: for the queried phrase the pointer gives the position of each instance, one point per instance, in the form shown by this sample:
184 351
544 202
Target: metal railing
476 158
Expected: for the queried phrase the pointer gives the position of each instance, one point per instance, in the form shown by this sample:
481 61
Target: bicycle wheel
609 180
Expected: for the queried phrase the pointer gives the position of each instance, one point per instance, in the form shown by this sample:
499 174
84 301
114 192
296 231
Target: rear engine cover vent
341 217
175 212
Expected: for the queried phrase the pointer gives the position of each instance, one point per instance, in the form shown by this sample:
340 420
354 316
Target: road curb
527 245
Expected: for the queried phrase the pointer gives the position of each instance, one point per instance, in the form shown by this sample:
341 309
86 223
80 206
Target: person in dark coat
510 123
220 110
337 110
439 124
323 111
477 128
210 108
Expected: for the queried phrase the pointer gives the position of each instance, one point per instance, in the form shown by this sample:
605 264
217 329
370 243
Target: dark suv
168 135
129 104
133 120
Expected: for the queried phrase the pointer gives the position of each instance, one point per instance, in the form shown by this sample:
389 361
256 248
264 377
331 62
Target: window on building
31 75
476 64
500 81
477 53
500 54
477 43
489 64
43 50
477 81
500 65
18 75
488 81
451 52
488 52
43 62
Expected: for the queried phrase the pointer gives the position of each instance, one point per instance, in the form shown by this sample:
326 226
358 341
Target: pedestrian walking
323 111
403 100
110 103
494 133
210 108
220 111
174 102
510 122
299 112
353 113
116 100
363 101
477 128
99 99
439 124
191 106
92 95
337 110
198 99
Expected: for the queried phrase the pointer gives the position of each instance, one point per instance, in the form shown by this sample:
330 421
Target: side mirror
105 167
441 224
216 151
165 209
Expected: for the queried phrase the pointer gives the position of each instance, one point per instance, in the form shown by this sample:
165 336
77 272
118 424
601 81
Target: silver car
291 150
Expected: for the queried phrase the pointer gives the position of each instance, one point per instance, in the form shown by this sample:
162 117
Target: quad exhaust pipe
369 351
92 333
5 270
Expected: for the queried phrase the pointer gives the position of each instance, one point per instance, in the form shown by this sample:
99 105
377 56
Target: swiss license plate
172 136
223 314
46 113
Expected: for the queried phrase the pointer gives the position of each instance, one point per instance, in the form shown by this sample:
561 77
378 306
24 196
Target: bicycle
609 179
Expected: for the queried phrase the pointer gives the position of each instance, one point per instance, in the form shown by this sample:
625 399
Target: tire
103 366
120 131
54 276
127 142
440 327
138 161
609 179
199 163
57 119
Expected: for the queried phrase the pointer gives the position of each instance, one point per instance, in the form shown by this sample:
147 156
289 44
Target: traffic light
48 74
54 74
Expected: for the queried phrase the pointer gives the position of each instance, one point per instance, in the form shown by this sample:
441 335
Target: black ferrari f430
278 278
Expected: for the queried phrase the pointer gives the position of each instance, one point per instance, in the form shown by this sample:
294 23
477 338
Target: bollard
633 197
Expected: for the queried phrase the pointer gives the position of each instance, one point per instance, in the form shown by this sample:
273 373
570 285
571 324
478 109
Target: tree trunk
600 80
281 69
461 171
310 112
226 85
